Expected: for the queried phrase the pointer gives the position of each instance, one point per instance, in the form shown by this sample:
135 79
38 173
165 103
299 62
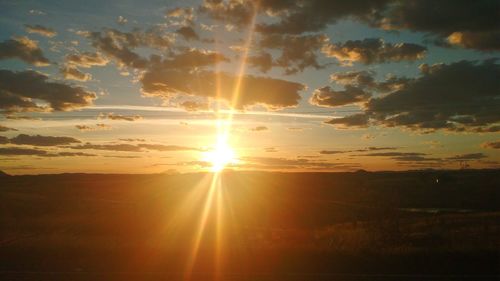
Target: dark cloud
272 93
86 59
259 129
18 90
68 154
5 129
188 33
356 120
118 48
111 147
297 52
42 30
370 148
491 144
72 73
404 157
188 59
328 97
87 128
314 15
366 80
23 48
328 152
114 116
372 50
484 41
459 96
237 13
447 20
21 151
263 61
134 147
38 140
469 156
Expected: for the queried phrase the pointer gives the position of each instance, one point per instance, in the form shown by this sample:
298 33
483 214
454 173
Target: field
416 225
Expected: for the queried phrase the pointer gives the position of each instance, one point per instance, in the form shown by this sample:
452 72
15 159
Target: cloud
293 163
86 59
188 33
236 13
370 148
42 30
414 157
297 52
491 144
23 48
21 151
469 156
188 59
356 120
141 147
161 147
37 12
366 80
270 149
86 128
259 129
373 50
111 147
38 140
328 152
180 12
113 116
194 105
118 48
272 93
120 45
121 20
485 41
297 17
5 129
18 90
449 20
72 73
70 154
263 61
133 140
460 96
328 97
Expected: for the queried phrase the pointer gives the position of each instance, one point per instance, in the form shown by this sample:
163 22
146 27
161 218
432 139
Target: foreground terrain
438 225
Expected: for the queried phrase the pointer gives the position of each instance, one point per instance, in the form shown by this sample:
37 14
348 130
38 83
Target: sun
220 156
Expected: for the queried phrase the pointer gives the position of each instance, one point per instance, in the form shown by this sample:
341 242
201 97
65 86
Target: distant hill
3 174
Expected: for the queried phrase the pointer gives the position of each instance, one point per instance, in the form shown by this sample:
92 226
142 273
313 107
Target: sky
273 85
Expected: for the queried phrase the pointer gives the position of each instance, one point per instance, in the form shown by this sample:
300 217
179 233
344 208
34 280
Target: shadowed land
436 225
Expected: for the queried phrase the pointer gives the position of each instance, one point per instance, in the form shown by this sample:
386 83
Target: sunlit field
251 226
257 140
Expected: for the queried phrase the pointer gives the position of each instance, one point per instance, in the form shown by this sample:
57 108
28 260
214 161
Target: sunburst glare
220 156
